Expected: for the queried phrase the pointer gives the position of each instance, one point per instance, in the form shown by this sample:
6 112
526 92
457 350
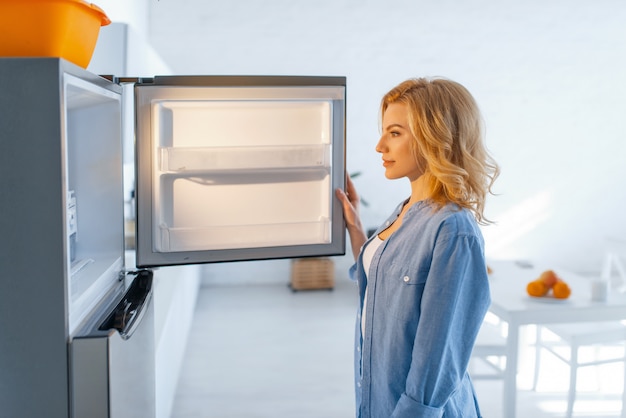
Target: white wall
547 74
135 13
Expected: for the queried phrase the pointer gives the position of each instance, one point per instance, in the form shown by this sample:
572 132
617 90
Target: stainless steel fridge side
34 250
146 157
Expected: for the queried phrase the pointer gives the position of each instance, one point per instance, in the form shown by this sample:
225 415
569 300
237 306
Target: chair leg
624 387
573 374
621 271
538 347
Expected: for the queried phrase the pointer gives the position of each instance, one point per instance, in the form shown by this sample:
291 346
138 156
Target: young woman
422 276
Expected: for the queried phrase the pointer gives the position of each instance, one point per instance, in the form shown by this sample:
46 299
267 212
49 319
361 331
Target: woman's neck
419 190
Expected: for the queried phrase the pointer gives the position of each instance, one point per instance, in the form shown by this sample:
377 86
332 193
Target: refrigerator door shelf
263 119
244 236
265 209
239 168
194 159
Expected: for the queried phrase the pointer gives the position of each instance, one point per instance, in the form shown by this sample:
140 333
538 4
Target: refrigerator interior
240 168
94 195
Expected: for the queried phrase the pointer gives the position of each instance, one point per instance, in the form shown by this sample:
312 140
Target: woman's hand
350 203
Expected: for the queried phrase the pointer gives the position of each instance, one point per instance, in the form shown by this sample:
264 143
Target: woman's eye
394 133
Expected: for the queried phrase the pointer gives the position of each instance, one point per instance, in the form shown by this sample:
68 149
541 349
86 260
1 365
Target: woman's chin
391 175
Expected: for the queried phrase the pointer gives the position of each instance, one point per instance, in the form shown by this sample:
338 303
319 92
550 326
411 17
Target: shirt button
387 223
406 279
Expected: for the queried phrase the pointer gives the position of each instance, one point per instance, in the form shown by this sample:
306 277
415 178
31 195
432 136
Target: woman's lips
387 163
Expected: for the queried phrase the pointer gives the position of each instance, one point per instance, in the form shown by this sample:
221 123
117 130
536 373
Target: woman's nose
380 147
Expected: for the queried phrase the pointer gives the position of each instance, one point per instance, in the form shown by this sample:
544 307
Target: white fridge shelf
268 208
206 159
243 236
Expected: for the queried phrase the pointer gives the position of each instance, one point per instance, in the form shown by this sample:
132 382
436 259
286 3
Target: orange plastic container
50 28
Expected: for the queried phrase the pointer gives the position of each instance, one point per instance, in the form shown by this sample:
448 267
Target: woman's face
394 144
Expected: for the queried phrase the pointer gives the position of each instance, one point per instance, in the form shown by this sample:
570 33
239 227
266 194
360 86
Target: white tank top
368 254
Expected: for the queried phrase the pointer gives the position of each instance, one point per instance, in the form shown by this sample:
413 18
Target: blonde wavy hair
449 148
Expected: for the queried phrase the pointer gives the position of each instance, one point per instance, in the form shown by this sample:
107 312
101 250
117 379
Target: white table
511 303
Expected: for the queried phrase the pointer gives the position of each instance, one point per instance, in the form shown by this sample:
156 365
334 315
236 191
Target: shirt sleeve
455 299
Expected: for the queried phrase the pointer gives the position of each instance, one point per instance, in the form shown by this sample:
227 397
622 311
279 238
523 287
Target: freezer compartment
239 164
92 170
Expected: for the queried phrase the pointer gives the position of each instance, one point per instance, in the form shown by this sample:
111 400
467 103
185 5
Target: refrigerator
227 168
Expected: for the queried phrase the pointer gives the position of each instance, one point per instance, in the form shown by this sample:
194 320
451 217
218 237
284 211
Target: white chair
577 336
489 350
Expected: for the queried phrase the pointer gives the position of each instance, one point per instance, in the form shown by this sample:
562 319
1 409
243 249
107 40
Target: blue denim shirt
427 295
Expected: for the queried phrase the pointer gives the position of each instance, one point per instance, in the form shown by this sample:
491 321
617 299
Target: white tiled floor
263 351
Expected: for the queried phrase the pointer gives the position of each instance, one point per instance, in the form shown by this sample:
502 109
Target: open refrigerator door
238 168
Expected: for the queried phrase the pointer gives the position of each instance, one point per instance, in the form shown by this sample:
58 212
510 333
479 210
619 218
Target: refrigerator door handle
127 315
135 317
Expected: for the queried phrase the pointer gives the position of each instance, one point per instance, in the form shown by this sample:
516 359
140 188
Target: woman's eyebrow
394 125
